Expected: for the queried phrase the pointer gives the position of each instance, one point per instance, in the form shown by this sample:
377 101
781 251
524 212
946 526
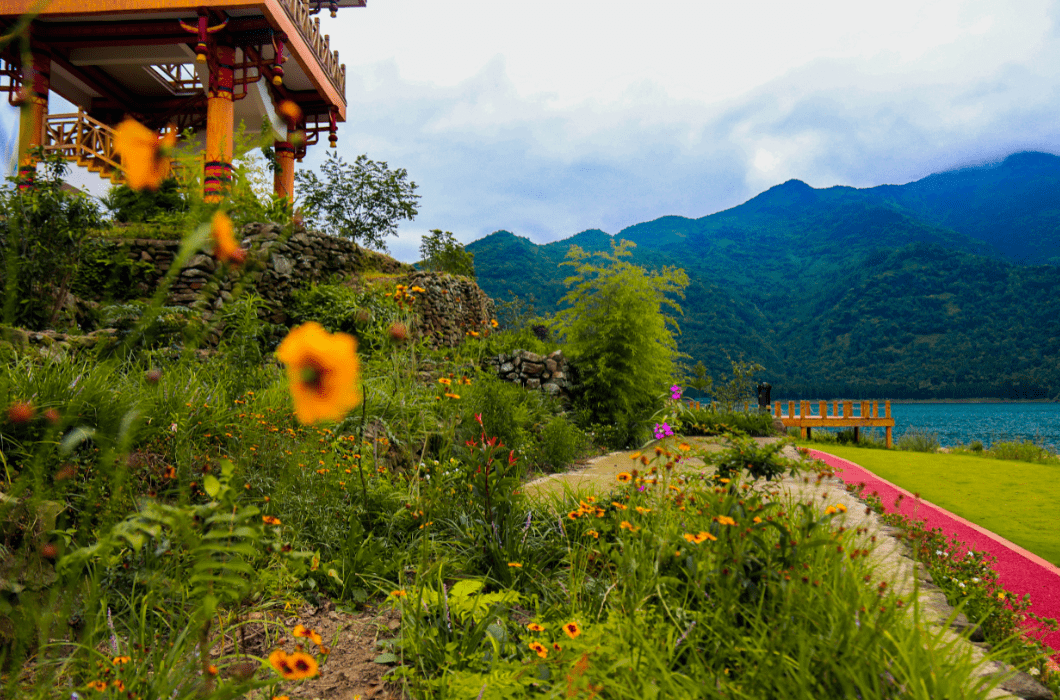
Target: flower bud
20 412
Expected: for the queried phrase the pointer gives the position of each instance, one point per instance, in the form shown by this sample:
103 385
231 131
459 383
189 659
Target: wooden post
848 407
835 409
875 409
283 178
855 433
864 409
776 410
791 409
219 125
823 408
36 81
887 407
888 430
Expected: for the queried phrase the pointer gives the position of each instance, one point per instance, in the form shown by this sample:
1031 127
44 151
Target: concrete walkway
889 556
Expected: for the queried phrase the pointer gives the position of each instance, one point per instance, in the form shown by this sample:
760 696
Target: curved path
1019 571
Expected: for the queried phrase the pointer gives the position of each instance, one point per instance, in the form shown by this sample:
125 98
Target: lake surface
960 423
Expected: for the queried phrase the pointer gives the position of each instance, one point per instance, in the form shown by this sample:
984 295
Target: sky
549 118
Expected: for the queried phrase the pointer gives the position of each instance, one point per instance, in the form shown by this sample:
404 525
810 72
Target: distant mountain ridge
793 279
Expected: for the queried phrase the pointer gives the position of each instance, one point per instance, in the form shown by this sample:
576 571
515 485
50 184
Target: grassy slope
1019 501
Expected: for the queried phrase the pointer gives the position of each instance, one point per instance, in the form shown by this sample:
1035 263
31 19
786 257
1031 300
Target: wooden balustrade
309 27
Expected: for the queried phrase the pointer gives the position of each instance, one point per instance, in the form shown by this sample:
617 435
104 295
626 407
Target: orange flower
292 112
539 649
280 661
572 629
725 520
270 520
624 477
535 627
143 155
225 247
303 631
323 371
97 685
304 665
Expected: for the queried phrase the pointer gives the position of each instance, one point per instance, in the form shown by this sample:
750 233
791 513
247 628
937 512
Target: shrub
976 446
41 229
558 444
131 206
917 440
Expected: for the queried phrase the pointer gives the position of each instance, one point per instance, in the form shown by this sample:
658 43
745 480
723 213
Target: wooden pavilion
174 63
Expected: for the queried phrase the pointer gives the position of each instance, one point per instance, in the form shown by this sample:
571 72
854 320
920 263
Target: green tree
618 340
443 253
42 225
740 388
360 201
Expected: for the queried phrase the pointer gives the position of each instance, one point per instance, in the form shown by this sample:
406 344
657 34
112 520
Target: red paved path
1018 570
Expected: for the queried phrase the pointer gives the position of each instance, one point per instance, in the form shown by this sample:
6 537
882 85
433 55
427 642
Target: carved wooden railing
309 27
84 140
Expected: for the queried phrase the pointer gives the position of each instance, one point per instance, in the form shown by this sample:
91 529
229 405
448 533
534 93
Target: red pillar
283 179
219 125
36 81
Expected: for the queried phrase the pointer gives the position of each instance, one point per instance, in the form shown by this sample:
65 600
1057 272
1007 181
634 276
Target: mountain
940 288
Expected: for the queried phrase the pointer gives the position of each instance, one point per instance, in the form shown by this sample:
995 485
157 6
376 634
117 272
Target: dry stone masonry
449 308
549 374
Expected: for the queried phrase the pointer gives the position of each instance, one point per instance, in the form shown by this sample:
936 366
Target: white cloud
552 117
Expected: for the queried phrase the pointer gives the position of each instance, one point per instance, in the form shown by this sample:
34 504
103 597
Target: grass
1004 496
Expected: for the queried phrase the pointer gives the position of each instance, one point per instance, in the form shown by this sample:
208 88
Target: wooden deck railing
842 416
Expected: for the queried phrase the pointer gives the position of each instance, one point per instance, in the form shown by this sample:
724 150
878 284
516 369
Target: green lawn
1019 501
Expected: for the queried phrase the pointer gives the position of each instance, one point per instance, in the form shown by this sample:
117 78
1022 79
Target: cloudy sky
556 116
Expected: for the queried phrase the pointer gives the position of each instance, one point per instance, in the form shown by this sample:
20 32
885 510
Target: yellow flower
97 685
572 629
121 660
624 477
642 510
225 247
515 565
594 534
290 110
841 508
626 525
417 288
474 334
635 455
756 520
534 627
493 322
398 593
725 520
270 520
445 381
573 515
829 510
620 506
1001 596
452 396
322 370
684 447
539 649
143 156
701 537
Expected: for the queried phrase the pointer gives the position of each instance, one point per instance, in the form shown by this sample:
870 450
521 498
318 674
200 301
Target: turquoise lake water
960 423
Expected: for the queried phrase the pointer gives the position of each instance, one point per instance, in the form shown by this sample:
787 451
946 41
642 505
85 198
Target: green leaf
212 485
386 658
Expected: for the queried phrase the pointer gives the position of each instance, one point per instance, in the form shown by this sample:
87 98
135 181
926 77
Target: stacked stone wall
450 306
550 373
